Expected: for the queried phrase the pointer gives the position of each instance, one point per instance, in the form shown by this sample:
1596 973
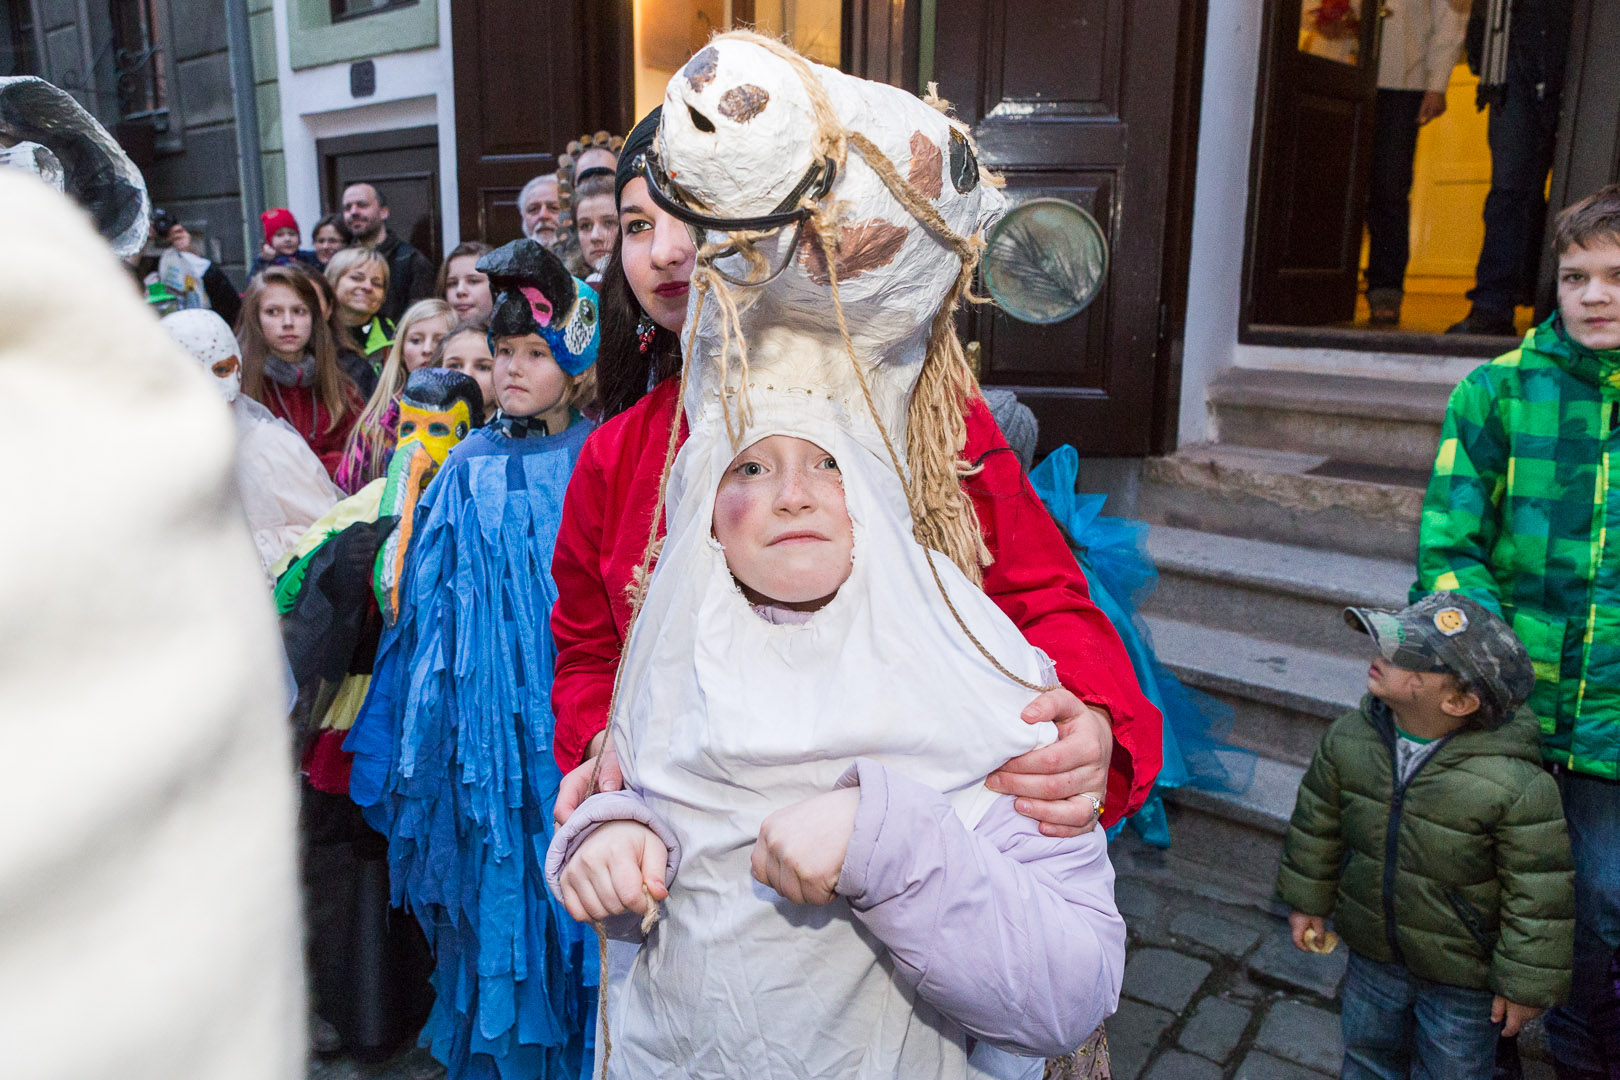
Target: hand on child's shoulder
800 850
617 868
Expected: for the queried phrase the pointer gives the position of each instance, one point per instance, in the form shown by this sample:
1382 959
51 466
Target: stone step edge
1336 578
1208 658
1265 807
1340 396
1228 473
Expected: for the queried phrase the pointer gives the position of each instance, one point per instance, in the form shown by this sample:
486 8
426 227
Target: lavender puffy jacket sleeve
1012 934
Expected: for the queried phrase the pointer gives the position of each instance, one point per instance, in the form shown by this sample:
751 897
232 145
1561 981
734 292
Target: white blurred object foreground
148 904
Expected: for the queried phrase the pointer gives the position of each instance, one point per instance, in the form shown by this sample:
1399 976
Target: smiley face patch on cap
1450 621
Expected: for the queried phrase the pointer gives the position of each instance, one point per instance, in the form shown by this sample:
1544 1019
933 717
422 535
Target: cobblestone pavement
1214 988
411 1064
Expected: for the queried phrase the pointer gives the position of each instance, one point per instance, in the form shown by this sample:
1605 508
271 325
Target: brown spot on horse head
743 103
699 71
927 172
861 246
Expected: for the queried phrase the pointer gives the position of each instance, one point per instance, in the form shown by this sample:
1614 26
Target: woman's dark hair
623 372
335 220
466 247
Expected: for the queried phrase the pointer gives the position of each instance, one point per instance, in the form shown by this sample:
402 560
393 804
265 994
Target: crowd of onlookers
331 331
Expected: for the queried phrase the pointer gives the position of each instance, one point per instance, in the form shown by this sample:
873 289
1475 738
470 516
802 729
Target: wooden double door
1078 99
530 77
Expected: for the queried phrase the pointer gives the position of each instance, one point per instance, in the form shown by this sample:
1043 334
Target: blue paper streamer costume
453 746
1113 555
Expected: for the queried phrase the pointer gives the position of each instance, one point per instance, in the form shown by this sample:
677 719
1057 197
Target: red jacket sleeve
1036 581
582 622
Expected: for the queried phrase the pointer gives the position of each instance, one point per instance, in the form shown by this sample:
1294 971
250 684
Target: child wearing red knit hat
281 239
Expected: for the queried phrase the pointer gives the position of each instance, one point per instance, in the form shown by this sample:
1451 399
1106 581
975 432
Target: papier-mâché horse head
751 134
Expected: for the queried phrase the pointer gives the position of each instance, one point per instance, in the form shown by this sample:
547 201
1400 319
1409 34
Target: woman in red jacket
1107 756
290 363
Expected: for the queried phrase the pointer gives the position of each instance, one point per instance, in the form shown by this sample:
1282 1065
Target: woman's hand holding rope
601 766
1061 785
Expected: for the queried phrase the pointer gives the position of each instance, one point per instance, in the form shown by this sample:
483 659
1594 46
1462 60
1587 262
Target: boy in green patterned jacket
1523 514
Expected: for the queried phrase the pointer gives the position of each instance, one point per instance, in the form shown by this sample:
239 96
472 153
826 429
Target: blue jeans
1397 1025
1592 809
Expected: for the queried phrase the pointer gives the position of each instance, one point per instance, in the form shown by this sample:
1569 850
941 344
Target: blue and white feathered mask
535 294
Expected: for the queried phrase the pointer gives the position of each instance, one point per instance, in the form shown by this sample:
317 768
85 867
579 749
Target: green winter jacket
1517 515
1464 875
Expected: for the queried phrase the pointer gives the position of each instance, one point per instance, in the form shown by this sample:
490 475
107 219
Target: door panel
529 77
403 165
1313 136
1074 99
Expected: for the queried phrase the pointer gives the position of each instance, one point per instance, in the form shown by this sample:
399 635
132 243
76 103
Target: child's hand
1299 923
1511 1016
614 871
800 850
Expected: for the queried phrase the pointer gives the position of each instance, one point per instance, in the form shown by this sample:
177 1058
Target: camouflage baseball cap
1448 632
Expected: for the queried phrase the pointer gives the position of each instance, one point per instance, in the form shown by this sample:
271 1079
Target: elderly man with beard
540 203
410 274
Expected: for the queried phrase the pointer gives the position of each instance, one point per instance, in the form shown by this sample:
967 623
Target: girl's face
780 515
328 242
285 320
468 352
420 341
658 256
467 289
360 292
528 381
598 225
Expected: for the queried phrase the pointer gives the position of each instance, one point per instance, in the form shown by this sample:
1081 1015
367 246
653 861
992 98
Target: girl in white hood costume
806 712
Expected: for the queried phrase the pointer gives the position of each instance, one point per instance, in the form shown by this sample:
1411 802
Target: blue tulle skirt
1112 553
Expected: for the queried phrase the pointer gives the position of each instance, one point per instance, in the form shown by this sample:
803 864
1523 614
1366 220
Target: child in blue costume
453 745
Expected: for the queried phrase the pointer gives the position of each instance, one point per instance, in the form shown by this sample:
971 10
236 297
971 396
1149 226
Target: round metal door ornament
1045 261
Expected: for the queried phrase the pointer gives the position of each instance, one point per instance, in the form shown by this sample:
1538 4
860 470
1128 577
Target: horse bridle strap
815 183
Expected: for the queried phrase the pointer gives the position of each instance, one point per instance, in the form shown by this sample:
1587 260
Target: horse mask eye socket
699 121
964 166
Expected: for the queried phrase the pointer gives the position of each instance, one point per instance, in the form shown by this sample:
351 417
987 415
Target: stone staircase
1308 502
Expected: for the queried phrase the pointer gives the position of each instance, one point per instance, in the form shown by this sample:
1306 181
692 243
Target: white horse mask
739 136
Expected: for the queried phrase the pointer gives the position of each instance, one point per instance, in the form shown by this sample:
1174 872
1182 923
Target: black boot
1481 321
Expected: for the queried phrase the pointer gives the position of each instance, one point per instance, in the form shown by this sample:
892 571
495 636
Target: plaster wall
414 88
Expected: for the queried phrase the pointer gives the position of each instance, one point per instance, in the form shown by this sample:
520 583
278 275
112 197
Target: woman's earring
645 328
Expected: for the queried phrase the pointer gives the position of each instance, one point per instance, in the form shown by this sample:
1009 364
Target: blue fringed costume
452 748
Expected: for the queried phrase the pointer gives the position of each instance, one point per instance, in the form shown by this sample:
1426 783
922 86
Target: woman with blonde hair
359 277
290 362
421 328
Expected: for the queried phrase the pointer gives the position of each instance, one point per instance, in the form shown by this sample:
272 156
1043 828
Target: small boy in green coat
1428 829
